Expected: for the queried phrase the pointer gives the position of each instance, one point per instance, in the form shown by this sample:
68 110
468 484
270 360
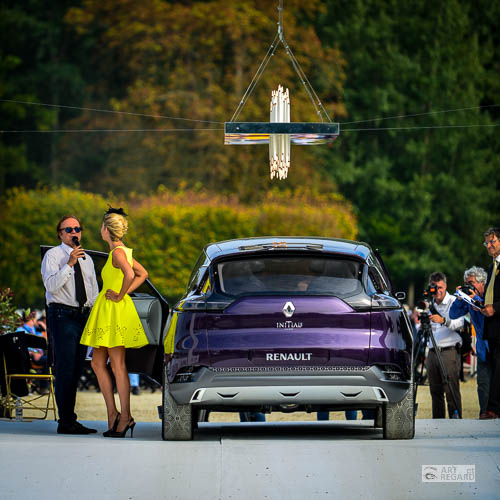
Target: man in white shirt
448 342
71 289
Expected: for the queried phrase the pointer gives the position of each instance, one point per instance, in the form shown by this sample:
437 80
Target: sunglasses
491 242
69 230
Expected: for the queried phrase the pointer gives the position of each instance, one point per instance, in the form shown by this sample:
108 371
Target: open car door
153 311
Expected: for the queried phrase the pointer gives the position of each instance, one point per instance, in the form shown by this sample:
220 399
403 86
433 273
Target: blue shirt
27 328
461 308
31 329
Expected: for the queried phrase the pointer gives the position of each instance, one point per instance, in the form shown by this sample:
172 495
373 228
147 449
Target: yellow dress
113 324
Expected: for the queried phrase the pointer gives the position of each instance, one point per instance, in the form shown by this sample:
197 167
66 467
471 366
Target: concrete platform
283 460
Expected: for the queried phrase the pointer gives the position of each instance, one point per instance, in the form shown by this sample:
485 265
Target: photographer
474 279
448 342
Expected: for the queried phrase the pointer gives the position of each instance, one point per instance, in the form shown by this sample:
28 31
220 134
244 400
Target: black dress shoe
488 415
87 430
74 428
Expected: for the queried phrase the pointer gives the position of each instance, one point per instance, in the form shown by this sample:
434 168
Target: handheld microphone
77 243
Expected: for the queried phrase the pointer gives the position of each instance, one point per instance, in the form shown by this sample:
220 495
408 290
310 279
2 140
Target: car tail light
202 305
191 305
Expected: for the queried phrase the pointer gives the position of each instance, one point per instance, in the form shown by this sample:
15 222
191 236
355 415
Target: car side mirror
400 295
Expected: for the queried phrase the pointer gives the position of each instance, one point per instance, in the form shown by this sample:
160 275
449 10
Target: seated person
38 356
41 324
303 285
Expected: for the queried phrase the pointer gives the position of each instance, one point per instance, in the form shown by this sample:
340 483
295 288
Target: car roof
288 243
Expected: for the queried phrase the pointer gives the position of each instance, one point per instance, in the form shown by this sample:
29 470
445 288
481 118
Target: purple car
288 324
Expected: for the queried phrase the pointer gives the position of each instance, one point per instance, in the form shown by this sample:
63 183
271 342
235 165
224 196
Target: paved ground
314 460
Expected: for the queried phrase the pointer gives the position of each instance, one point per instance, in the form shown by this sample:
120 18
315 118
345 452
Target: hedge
167 230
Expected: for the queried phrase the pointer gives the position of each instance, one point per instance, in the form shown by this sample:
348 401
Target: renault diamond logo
288 309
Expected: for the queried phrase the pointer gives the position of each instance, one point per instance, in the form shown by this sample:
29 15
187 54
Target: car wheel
398 419
177 420
378 420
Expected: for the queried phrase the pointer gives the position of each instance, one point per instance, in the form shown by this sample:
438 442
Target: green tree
423 196
195 59
38 64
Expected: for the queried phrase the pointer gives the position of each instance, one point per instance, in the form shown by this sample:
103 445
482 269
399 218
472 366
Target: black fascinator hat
118 211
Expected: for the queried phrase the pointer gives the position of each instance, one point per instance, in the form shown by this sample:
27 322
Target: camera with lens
430 291
425 307
423 312
468 289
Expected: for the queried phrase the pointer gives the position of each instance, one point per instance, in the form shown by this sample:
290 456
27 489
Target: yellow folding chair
18 376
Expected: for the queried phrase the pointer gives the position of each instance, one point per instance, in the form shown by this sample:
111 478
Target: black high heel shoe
121 434
113 428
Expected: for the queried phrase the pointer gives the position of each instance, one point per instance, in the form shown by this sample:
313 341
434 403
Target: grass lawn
90 406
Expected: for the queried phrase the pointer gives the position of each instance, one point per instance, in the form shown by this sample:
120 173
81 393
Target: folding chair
18 377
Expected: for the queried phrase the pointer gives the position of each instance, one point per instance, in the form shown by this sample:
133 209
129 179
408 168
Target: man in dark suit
491 312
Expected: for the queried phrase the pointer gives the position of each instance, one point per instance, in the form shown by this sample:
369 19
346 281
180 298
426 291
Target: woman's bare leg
99 361
117 359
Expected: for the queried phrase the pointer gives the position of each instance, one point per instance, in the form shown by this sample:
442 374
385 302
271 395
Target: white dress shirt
446 334
59 281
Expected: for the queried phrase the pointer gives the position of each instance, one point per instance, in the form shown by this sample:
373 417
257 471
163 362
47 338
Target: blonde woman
114 324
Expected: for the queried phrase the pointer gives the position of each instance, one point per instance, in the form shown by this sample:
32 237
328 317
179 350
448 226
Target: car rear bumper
347 387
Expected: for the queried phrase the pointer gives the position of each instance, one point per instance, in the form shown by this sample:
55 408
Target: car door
153 312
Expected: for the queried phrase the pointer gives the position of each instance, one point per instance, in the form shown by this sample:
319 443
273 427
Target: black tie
81 295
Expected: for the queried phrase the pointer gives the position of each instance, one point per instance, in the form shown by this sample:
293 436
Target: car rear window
304 275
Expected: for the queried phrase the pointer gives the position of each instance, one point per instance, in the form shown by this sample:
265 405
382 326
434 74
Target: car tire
398 419
177 420
378 420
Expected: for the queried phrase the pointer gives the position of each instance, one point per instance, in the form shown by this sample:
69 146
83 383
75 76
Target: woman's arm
140 276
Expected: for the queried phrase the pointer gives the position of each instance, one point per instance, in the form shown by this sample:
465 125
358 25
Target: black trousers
438 388
484 376
66 327
494 360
